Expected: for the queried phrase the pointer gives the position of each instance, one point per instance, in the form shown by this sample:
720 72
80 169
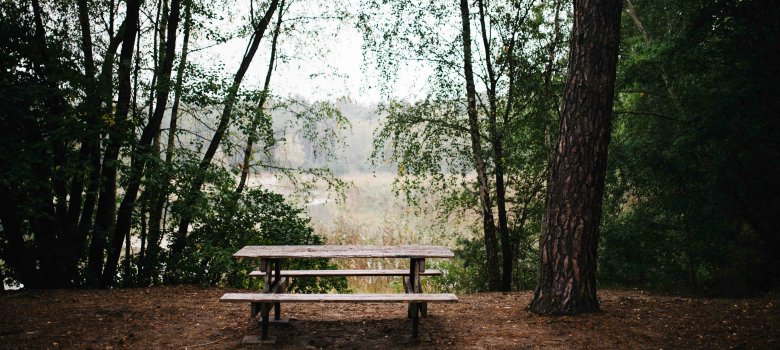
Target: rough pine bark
488 224
567 279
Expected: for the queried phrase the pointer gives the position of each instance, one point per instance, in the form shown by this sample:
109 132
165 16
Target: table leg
414 287
265 308
254 309
423 306
278 279
409 285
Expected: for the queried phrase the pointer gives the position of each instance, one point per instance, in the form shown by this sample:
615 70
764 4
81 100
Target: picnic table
276 280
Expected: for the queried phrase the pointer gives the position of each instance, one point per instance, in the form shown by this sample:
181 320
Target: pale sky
327 65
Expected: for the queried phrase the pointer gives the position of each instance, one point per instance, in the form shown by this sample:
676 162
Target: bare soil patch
191 317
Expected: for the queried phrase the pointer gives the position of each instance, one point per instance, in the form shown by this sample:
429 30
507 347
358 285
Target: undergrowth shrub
228 221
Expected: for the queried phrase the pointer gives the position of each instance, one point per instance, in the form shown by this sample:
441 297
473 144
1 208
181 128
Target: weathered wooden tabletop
343 251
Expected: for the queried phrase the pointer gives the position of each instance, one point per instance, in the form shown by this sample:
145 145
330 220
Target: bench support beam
416 267
273 284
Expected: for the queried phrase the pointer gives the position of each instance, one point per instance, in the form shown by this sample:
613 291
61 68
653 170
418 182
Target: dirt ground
192 318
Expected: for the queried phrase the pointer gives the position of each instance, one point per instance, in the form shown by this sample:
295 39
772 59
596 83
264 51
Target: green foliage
36 117
430 139
227 221
58 128
695 162
41 117
467 273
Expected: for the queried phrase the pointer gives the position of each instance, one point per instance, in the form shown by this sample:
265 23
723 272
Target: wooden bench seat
418 303
339 298
344 273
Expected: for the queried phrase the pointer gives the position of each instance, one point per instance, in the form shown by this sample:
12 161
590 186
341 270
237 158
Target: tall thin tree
252 138
147 270
106 207
488 224
141 154
180 238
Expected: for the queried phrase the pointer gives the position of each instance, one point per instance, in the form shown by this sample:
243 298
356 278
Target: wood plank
281 287
339 298
343 251
344 273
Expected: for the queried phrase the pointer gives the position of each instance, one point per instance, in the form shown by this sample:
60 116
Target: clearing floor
186 317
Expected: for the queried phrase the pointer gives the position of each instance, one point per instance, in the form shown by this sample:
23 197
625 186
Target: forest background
145 142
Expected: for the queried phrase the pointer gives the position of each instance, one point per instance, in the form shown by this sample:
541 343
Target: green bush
468 273
227 221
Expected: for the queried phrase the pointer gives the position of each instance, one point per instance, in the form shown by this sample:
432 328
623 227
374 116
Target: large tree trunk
180 239
488 225
567 279
141 156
